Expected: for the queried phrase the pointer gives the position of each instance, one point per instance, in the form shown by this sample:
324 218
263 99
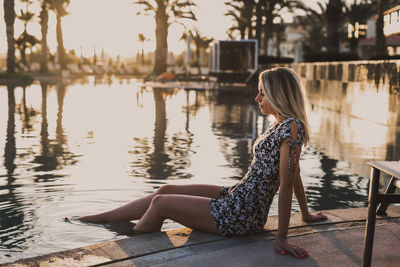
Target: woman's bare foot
316 217
92 219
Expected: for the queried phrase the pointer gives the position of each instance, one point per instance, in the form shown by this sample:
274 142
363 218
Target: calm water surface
93 145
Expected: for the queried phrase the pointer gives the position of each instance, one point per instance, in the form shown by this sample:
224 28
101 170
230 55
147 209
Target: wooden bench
389 167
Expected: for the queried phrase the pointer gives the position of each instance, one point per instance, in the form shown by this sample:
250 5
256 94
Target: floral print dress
243 208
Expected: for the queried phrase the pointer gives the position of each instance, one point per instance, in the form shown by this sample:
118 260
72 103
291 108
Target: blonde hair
284 91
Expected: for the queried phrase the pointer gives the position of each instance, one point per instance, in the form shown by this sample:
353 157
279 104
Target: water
93 145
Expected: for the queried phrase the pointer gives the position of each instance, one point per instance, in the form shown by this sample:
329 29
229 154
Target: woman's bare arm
302 200
288 168
301 196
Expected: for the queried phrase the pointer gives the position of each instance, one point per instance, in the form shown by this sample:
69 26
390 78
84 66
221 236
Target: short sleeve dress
243 208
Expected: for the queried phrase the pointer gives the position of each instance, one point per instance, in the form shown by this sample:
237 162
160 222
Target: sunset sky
113 25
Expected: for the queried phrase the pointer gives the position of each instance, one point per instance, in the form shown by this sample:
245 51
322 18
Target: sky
113 26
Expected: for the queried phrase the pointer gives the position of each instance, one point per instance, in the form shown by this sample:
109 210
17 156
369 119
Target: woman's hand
314 217
283 247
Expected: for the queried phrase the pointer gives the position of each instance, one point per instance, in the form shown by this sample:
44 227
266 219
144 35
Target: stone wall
354 109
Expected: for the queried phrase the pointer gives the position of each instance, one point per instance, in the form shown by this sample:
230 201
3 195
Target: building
391 31
292 46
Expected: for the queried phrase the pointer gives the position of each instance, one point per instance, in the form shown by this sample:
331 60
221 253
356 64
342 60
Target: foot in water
120 228
91 218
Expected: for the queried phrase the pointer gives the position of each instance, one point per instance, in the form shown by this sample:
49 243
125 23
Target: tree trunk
60 42
248 14
242 31
259 16
23 56
161 18
9 18
44 20
380 41
269 25
333 16
268 32
198 58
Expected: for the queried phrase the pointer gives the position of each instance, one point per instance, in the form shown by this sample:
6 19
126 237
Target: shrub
263 60
384 56
15 78
329 56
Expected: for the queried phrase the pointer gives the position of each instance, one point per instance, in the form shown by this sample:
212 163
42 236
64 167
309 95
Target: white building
292 45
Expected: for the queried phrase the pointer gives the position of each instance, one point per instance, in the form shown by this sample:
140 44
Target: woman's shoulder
291 121
291 125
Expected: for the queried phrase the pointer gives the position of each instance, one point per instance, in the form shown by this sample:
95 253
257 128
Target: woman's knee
159 204
166 189
157 201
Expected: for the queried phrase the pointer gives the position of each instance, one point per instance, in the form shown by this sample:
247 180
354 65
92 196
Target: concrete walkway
335 242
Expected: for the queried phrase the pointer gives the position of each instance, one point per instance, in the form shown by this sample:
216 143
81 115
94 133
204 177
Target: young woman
242 208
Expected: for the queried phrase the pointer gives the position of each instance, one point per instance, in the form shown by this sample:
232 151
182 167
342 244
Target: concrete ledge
343 233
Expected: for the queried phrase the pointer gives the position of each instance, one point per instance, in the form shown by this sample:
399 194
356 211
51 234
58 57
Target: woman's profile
242 208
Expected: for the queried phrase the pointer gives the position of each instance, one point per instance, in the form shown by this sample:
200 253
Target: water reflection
11 214
54 154
167 158
45 159
234 122
98 143
328 191
10 147
27 113
354 111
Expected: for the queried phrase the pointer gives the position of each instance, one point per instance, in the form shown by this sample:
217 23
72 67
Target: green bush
329 56
15 78
384 56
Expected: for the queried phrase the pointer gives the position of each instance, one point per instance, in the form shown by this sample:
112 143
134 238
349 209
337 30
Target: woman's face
262 101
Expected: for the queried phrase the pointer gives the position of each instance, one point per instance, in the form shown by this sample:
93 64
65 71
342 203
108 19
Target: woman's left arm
288 170
302 200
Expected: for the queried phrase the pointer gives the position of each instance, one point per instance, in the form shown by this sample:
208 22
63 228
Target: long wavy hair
286 94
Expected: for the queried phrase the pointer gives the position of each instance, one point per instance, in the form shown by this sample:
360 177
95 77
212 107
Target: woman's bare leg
135 209
191 211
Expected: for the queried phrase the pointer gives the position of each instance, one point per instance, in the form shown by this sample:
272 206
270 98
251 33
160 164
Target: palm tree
259 19
273 10
357 12
200 42
324 26
59 7
44 25
242 13
142 39
9 18
334 16
25 40
165 12
314 22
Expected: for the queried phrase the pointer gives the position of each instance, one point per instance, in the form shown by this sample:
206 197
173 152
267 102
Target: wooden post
370 226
